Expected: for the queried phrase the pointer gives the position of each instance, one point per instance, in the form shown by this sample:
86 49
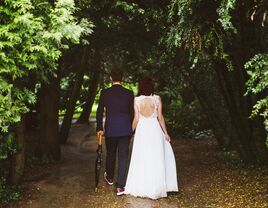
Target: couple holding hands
152 169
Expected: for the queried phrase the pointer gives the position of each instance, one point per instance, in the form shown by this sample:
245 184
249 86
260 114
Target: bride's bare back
147 107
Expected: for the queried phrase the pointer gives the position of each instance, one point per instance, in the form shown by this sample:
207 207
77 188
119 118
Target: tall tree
211 36
33 36
92 88
18 159
79 77
49 140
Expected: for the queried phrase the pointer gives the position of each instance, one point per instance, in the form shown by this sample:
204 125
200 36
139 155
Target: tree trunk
93 88
244 133
207 103
260 136
251 39
18 159
68 117
49 144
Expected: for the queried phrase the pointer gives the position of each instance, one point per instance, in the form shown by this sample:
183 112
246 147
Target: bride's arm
136 117
161 120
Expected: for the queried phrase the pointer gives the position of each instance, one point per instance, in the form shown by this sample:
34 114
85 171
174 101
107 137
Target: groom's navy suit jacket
118 104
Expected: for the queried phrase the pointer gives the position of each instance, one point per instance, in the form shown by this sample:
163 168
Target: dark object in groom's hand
98 162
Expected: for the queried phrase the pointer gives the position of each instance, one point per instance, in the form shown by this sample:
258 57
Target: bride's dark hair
146 86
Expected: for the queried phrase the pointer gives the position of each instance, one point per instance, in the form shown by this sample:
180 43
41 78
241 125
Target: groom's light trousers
120 144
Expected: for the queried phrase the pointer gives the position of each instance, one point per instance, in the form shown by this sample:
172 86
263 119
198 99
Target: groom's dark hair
117 75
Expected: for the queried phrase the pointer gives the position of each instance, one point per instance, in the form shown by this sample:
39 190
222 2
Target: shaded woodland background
208 59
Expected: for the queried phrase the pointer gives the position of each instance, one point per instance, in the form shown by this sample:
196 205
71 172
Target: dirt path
204 178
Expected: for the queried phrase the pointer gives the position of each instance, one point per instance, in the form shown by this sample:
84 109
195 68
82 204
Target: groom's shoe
120 191
109 181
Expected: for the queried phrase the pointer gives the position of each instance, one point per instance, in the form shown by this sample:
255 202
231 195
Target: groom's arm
99 114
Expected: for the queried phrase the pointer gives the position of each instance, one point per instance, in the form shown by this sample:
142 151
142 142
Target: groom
118 104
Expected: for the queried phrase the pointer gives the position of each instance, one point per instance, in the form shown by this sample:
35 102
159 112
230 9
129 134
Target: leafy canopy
32 37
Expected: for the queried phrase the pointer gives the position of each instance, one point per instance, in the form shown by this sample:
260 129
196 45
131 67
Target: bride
152 170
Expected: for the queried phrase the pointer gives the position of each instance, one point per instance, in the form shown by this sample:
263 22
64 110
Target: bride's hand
167 137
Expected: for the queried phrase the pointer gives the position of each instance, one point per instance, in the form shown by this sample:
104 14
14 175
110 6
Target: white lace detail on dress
147 106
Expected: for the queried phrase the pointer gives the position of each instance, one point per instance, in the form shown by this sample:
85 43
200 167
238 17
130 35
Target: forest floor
207 179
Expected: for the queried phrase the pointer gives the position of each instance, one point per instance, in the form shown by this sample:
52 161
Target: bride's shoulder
157 96
157 99
137 98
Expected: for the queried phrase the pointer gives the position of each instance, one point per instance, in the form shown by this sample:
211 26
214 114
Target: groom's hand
100 133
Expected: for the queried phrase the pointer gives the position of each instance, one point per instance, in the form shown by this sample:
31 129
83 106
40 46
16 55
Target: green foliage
129 7
185 118
221 36
186 31
33 35
13 103
196 28
7 193
31 40
183 10
7 145
224 14
257 69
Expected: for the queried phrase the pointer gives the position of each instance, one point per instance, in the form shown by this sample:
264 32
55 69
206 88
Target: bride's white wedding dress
152 170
